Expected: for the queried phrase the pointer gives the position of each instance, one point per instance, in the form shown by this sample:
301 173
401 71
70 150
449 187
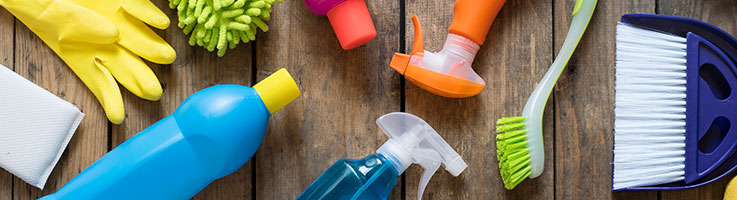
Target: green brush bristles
222 24
512 151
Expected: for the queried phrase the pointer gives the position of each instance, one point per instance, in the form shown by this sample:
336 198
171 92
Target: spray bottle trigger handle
418 46
430 161
400 61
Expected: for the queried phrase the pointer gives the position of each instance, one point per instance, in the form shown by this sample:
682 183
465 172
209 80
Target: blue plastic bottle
210 135
411 140
372 177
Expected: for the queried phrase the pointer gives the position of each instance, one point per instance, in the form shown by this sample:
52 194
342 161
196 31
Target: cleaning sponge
222 24
35 128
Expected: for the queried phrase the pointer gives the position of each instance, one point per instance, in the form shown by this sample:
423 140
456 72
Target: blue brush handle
707 44
708 108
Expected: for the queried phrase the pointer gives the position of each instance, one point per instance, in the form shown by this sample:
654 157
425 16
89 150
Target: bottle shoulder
223 122
366 178
229 107
369 165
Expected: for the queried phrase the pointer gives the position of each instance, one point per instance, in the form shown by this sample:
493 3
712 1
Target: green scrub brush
519 140
222 24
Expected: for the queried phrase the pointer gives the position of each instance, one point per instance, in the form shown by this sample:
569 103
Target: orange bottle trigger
399 60
418 46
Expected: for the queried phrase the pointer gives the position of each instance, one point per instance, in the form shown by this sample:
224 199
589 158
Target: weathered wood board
343 92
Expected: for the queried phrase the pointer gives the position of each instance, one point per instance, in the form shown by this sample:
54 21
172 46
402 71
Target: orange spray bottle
448 72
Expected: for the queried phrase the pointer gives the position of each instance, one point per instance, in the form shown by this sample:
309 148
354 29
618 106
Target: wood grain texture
584 109
36 62
515 56
195 69
343 93
720 13
7 40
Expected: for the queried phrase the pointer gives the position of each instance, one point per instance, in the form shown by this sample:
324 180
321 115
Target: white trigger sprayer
412 140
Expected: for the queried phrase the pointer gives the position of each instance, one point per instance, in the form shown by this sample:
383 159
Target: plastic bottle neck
397 156
461 46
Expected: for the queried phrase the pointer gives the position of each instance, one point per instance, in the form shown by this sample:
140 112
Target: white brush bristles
650 108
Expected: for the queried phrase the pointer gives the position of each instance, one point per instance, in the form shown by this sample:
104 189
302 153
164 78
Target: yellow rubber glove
730 193
101 41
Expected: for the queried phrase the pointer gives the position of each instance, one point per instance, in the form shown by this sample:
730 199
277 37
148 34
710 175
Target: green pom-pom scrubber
222 24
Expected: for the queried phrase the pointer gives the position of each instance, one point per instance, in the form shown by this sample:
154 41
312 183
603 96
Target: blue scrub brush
674 107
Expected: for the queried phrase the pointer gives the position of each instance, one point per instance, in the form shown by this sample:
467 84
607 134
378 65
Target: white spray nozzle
412 140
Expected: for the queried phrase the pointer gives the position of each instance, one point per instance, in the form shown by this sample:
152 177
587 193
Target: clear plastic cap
412 140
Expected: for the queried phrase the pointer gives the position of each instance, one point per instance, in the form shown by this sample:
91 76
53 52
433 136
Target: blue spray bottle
211 134
411 140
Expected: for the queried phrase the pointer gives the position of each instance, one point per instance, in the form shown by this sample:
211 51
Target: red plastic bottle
350 19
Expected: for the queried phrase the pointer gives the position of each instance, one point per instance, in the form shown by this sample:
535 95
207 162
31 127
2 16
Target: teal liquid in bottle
411 140
369 178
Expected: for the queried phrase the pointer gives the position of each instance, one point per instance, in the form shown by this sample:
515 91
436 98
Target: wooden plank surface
584 111
515 56
343 92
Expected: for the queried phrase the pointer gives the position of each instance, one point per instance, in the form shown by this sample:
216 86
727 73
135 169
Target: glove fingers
97 77
103 86
147 12
144 42
133 73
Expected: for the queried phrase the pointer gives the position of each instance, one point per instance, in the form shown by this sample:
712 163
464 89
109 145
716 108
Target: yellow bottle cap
277 90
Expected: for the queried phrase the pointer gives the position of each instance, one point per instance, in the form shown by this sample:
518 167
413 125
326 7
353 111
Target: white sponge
35 128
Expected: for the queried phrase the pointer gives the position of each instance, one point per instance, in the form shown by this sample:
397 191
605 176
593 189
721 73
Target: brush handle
533 111
711 133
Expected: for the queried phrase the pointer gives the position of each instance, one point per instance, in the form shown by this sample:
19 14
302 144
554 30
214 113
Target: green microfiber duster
222 24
